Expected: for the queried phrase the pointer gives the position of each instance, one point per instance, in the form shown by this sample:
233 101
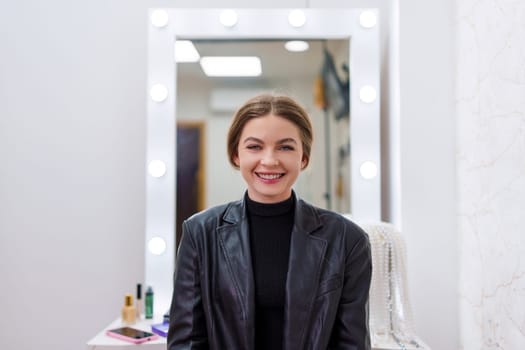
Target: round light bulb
297 18
158 93
228 18
367 19
159 18
368 170
157 168
157 245
367 94
296 45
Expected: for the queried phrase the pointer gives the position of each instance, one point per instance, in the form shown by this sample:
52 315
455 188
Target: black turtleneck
270 231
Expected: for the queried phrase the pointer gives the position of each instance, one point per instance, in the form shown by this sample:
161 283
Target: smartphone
133 335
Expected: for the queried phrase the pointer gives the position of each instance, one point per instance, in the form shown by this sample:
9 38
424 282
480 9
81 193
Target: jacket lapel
235 249
306 255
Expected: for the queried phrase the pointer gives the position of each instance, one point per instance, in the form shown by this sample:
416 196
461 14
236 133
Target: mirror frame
364 57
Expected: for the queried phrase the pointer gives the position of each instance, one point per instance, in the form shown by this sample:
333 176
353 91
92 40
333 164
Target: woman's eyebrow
252 139
288 139
279 142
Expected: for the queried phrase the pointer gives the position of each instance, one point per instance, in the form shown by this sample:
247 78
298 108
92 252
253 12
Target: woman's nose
269 160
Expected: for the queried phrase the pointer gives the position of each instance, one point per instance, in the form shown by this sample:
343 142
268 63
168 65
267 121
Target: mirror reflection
317 76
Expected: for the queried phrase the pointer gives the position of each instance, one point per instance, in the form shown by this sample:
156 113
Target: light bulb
159 18
157 245
157 168
297 18
158 93
367 19
228 18
367 94
368 170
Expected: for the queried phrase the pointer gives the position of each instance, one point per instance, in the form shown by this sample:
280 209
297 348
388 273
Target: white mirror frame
364 57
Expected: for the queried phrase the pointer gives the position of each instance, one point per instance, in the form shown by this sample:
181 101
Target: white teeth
269 176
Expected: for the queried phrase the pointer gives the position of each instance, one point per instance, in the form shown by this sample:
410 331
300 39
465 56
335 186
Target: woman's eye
253 147
287 148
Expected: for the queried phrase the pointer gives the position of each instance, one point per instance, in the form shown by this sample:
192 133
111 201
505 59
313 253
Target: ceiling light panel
231 66
296 46
185 51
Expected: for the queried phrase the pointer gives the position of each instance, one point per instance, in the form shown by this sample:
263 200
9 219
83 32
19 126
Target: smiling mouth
269 176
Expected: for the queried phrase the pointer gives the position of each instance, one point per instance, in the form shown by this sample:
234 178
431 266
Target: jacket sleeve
351 330
187 328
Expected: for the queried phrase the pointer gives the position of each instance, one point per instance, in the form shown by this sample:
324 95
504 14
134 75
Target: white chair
391 319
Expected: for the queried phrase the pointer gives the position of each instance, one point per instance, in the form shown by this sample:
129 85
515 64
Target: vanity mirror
356 26
206 104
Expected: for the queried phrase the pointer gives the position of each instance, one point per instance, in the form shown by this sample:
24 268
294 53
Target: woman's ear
236 160
304 162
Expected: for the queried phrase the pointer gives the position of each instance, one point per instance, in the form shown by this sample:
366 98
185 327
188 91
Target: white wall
72 148
427 135
491 172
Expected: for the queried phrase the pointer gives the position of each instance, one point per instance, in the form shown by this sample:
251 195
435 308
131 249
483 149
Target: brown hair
262 105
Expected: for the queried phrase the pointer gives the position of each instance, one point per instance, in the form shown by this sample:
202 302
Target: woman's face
270 158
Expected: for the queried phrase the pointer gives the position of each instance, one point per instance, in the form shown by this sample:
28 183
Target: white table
103 342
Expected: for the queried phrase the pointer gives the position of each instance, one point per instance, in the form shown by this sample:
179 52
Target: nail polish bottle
149 303
138 304
129 312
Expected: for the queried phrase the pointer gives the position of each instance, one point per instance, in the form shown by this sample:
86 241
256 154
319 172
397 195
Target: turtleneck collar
269 209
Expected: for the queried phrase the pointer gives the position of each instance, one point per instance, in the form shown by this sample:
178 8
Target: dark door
190 187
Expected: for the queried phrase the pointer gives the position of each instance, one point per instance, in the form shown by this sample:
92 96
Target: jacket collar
306 217
307 252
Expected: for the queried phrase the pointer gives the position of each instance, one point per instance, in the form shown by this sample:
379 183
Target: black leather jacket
327 285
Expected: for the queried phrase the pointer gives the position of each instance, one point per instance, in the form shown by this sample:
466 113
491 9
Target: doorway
191 192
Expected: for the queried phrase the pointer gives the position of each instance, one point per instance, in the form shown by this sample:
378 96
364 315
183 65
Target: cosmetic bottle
149 302
138 304
129 312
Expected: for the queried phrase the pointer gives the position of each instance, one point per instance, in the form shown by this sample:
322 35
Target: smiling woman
204 24
271 253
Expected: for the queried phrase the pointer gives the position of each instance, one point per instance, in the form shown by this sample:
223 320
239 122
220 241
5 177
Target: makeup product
138 304
160 329
149 302
129 313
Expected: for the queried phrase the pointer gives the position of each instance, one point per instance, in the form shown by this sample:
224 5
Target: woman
270 271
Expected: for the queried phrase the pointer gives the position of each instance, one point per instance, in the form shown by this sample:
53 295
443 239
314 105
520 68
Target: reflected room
315 72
